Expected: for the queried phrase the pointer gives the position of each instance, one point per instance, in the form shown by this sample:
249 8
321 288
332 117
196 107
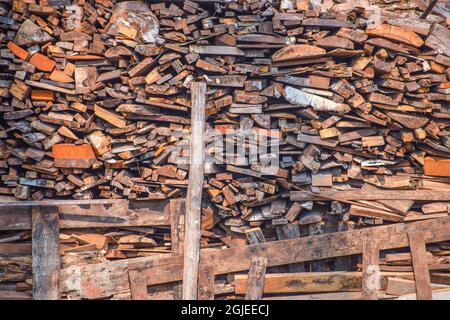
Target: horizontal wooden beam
358 194
88 214
105 279
56 203
314 282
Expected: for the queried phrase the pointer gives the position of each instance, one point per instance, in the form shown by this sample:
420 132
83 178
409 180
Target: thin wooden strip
357 194
314 282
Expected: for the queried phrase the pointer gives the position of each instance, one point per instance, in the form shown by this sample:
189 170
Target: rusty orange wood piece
435 166
73 156
42 62
17 51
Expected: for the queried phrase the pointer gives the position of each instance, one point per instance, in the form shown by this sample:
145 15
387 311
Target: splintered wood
320 116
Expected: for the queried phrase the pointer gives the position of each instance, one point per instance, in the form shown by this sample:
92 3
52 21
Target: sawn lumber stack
321 116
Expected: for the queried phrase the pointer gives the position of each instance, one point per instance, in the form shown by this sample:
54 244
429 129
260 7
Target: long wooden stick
357 194
428 10
194 192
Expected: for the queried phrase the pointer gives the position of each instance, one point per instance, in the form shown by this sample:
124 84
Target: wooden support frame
194 191
45 219
158 269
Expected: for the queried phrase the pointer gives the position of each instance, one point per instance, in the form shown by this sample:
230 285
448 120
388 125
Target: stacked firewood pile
305 98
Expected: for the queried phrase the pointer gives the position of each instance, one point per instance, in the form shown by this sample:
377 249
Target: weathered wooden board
87 214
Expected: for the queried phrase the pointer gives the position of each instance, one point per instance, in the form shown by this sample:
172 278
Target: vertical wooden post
45 251
194 192
138 286
206 282
177 216
256 275
371 277
420 263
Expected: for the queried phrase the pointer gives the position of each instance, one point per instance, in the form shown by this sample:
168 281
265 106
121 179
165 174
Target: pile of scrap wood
322 116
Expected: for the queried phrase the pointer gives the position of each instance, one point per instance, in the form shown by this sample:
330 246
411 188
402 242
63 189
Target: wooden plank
420 263
320 296
314 282
255 281
206 282
194 192
399 286
88 213
45 250
166 268
439 294
177 216
357 194
371 279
